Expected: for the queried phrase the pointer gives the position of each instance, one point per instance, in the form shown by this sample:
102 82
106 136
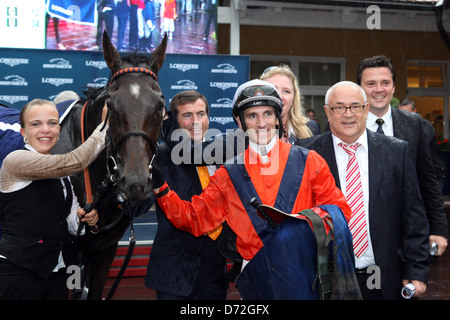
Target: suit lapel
398 124
376 160
326 149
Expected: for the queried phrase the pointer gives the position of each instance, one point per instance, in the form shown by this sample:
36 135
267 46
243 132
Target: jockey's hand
157 177
90 218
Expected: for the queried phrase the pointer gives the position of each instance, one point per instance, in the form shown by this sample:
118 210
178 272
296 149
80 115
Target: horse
120 177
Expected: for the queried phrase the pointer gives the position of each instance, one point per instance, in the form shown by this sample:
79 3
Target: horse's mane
95 93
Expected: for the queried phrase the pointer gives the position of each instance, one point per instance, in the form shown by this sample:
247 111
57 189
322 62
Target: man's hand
441 243
420 286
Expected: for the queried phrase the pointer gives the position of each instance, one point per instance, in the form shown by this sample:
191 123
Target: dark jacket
179 262
397 218
34 225
410 127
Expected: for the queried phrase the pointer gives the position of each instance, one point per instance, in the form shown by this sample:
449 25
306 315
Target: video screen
133 25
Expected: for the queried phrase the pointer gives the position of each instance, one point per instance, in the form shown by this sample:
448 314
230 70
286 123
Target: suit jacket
410 127
180 262
397 218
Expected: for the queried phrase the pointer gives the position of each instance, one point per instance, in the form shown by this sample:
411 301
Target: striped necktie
354 196
203 175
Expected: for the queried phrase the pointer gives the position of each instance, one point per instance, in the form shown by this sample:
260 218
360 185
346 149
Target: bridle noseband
112 151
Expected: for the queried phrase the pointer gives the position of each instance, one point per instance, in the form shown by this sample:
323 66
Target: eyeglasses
355 108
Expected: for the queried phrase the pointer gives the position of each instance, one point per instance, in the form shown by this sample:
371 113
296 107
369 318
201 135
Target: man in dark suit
395 218
376 75
181 266
430 133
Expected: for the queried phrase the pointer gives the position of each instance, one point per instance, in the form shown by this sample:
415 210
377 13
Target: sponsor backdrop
28 74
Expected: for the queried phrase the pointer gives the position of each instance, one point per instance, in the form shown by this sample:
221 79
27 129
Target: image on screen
133 25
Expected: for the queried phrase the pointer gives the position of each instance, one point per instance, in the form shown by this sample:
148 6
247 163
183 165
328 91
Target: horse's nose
135 187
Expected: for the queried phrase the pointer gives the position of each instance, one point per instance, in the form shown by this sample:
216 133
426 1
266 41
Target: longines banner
28 74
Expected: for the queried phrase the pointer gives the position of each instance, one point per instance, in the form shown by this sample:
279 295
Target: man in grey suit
395 217
376 75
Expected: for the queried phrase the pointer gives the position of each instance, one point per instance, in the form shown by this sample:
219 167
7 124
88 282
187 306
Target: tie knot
349 148
379 121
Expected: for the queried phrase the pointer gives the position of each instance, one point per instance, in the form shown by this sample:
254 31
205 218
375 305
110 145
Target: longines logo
14 80
184 85
12 62
223 85
221 120
13 99
183 66
57 63
96 64
57 81
224 68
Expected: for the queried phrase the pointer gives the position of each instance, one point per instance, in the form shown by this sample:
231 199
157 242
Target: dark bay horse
134 101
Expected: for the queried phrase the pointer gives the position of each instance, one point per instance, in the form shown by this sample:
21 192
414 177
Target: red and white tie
354 196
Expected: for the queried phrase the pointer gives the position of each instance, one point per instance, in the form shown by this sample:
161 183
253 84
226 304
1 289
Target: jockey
279 175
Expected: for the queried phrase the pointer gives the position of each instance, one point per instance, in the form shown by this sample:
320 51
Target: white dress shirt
387 126
362 156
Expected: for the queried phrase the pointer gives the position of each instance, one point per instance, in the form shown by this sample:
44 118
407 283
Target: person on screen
169 16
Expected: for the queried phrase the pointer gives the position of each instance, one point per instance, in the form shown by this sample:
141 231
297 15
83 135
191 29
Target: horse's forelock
135 59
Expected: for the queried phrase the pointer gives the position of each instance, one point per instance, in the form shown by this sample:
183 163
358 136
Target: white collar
263 150
362 140
371 118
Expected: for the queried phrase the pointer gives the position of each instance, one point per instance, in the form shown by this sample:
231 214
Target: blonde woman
295 123
38 206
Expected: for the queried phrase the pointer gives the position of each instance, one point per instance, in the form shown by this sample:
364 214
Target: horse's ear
156 60
111 55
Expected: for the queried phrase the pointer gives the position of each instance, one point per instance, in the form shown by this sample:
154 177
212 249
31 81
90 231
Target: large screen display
133 25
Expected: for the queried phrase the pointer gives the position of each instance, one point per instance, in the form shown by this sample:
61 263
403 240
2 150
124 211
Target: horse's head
135 102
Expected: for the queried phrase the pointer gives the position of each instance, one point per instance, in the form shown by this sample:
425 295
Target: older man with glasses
375 172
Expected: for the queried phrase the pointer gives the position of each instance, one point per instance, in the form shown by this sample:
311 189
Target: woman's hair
30 104
296 118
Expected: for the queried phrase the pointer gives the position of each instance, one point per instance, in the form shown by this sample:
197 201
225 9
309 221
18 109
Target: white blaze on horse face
135 90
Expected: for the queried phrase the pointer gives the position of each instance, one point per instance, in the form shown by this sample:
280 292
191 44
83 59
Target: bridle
111 179
113 148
